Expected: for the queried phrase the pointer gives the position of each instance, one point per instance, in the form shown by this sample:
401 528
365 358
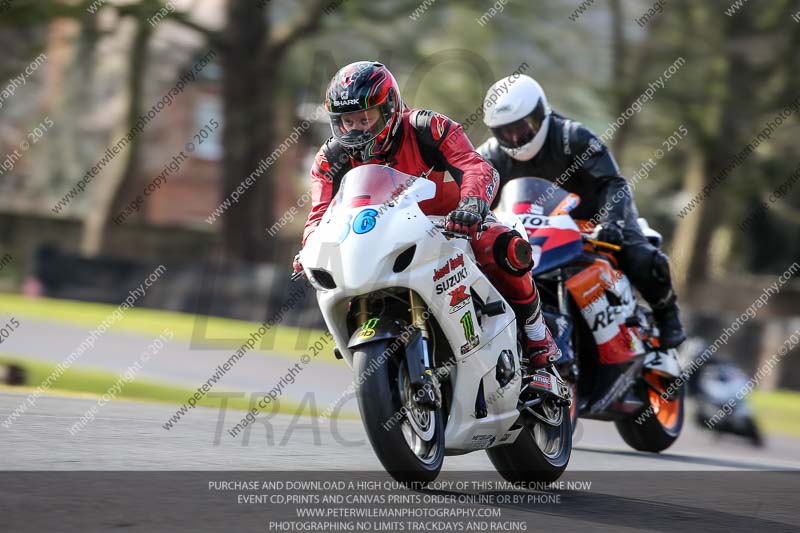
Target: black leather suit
575 159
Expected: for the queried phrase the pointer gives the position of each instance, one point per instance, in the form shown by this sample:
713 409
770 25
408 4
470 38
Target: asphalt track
689 486
202 435
130 436
695 484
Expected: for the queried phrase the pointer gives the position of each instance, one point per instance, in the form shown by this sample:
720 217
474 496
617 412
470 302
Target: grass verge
217 332
777 412
97 382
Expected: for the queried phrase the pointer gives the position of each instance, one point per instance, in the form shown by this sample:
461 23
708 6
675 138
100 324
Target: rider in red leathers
371 124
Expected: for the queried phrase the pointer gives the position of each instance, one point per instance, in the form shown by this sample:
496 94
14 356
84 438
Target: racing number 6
365 221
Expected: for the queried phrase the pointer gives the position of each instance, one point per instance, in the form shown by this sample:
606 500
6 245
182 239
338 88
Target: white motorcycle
432 343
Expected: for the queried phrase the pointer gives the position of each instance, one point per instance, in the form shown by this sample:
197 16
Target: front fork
419 317
569 369
428 394
418 362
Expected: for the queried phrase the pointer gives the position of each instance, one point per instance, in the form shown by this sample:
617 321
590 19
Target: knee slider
638 260
661 267
513 253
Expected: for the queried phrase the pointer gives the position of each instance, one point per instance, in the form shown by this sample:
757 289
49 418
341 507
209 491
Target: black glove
468 216
611 232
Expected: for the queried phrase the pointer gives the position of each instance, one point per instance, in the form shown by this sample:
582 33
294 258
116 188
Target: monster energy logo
466 322
368 328
469 333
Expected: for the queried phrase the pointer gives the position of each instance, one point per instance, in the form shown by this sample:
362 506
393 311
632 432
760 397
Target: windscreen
536 195
371 185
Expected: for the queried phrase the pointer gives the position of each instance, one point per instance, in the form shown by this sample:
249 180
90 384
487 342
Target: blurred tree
254 51
124 169
252 55
739 72
629 75
739 64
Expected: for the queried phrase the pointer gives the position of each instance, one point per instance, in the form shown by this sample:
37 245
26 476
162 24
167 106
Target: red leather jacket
425 139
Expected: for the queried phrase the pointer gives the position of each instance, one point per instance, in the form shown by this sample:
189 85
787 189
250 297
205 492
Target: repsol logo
534 221
352 101
609 315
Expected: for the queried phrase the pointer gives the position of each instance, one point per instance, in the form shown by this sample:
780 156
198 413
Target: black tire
379 402
573 407
651 435
524 461
753 433
573 387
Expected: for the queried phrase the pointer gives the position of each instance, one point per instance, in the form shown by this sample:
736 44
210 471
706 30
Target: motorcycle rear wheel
540 453
409 444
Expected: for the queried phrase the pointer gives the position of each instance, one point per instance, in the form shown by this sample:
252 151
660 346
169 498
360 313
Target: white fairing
665 362
362 262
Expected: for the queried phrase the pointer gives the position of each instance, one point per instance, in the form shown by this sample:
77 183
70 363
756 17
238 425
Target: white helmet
516 110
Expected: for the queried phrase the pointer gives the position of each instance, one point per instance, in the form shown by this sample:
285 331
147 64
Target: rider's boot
540 349
668 320
541 353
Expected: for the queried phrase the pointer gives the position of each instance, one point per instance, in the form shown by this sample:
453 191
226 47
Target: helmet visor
355 129
522 131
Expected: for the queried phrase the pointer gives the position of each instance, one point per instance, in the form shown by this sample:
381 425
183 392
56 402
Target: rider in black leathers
531 140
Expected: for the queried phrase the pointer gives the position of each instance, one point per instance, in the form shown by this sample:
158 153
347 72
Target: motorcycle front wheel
408 439
657 427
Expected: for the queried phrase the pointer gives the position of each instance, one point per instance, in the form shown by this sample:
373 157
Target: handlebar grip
456 235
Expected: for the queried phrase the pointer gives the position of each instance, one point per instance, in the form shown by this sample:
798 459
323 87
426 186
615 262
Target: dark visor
521 132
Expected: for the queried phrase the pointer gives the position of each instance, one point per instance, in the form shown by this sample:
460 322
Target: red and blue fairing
543 208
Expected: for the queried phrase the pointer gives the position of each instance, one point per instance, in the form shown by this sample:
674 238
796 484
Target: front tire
662 427
530 458
752 432
409 443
